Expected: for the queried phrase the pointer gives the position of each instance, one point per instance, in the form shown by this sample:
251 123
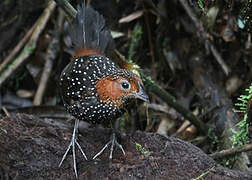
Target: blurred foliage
246 15
240 137
134 40
201 5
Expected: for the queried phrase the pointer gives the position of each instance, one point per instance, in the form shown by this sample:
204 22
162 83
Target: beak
141 94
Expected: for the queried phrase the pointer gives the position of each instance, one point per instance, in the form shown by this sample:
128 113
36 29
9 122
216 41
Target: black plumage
78 88
92 86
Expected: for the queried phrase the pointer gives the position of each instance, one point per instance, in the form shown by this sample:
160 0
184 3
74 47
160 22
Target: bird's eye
125 85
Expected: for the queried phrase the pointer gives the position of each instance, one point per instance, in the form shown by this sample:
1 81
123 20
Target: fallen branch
67 8
51 54
232 151
203 35
31 45
171 101
13 53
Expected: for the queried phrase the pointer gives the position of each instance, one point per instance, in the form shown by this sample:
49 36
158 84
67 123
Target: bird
93 87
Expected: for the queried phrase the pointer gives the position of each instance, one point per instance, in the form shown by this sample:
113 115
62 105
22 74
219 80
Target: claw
72 144
113 142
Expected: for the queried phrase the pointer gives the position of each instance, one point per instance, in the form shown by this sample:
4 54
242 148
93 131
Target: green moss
144 152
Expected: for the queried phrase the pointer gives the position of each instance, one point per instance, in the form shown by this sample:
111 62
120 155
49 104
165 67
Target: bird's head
121 89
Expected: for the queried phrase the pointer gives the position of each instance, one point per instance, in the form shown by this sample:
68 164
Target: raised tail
89 32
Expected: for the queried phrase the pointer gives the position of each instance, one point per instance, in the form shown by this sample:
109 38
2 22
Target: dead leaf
131 17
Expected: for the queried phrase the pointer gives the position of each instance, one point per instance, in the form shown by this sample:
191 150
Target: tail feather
90 32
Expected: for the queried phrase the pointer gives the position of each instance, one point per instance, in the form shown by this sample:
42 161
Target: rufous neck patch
86 52
109 91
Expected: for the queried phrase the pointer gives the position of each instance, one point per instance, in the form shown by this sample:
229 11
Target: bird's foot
113 142
72 144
